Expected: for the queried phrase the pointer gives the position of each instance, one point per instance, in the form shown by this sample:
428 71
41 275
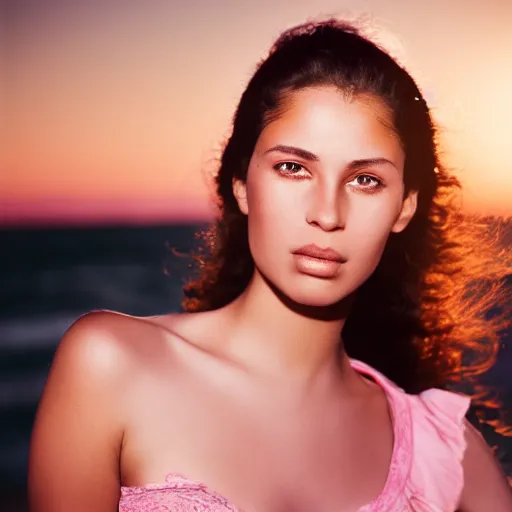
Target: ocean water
49 277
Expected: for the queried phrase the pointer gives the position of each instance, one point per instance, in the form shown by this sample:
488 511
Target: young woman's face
324 190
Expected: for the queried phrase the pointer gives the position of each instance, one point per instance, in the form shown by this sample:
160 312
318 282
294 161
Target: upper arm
74 453
485 485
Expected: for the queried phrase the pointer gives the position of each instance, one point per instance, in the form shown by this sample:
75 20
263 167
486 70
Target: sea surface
49 277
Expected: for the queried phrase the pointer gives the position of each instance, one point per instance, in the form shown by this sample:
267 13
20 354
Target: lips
313 251
316 262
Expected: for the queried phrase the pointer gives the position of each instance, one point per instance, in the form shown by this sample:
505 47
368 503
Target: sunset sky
113 110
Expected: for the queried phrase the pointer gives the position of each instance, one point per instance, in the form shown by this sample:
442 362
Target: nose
326 208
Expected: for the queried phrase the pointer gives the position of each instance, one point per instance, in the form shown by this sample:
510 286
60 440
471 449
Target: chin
316 297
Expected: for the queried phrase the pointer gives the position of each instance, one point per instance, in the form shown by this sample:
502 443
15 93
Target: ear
240 193
407 212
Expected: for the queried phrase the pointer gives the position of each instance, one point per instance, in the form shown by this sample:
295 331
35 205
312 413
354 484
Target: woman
335 219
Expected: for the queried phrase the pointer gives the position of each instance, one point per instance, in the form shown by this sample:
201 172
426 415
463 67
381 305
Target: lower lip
316 267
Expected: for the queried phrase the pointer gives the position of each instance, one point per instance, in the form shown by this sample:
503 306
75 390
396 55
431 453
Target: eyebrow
307 155
292 150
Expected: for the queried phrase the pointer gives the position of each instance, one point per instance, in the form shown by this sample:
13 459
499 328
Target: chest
260 458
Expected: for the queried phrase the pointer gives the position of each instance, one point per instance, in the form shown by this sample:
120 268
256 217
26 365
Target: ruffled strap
447 412
439 445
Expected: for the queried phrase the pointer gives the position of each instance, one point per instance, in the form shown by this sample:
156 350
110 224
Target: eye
291 169
366 182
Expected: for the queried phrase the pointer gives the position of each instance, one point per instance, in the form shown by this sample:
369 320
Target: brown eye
288 167
291 170
367 181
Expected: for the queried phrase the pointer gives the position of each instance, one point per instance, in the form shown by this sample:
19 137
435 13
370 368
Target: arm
485 486
75 446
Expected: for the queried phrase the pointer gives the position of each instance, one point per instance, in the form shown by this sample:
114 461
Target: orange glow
122 103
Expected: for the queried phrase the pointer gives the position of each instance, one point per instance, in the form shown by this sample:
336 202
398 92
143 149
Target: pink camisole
425 473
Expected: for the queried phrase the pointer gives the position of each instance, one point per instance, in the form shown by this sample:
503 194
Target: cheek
274 209
369 225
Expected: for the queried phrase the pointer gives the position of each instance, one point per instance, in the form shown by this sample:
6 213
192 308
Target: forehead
327 121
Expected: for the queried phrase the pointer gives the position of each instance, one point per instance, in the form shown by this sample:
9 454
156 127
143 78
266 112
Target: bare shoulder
96 340
111 345
124 340
78 432
109 341
485 485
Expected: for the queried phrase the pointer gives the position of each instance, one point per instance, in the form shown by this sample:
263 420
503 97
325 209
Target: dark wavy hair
421 317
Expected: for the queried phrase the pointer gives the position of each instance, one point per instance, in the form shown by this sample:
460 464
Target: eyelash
293 175
290 174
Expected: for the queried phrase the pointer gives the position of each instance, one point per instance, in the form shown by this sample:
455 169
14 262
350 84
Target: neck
273 335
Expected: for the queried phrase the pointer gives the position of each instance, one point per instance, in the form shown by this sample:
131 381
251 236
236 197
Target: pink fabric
425 473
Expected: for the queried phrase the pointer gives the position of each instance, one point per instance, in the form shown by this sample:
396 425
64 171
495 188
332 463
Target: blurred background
112 114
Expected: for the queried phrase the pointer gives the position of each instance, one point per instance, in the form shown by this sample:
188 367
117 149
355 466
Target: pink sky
115 110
